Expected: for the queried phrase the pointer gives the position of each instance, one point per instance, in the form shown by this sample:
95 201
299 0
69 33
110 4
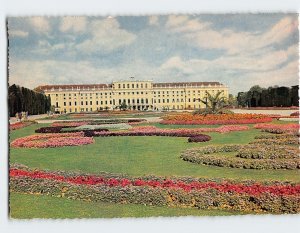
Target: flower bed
262 157
278 129
269 197
214 119
295 114
20 125
59 129
154 131
52 140
270 152
199 138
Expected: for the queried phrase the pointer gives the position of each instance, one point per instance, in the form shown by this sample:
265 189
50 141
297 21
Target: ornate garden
191 164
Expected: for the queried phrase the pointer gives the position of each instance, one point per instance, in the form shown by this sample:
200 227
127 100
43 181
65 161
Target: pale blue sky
240 50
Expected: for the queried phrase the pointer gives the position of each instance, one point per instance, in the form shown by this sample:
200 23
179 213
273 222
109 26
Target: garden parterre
272 197
153 191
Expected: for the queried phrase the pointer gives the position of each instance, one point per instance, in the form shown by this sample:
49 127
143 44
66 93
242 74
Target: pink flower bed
276 128
52 140
154 131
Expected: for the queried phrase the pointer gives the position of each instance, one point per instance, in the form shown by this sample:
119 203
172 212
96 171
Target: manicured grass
138 156
36 206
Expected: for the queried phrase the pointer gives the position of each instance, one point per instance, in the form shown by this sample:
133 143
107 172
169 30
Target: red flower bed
212 119
224 187
52 140
20 125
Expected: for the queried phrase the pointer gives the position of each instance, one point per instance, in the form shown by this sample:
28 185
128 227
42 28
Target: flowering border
272 197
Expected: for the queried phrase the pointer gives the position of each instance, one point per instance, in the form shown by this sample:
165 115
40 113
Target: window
119 85
56 95
91 102
64 103
86 103
141 85
120 101
142 101
133 101
81 102
70 103
132 85
75 103
128 85
146 101
137 101
146 85
101 102
97 102
123 85
57 104
128 101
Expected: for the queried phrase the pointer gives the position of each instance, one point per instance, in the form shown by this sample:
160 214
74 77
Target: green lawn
32 206
135 156
138 156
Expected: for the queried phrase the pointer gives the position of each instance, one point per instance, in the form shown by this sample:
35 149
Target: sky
239 50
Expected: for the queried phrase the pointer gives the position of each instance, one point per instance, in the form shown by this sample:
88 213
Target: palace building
137 95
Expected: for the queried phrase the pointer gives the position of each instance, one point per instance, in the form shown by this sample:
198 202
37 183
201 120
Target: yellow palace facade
137 95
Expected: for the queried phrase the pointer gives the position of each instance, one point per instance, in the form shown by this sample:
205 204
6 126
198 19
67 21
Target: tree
123 106
214 103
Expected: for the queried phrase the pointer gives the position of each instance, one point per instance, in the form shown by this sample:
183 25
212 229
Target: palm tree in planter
213 103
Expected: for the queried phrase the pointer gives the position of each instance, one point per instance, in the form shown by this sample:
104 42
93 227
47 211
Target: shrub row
205 156
279 141
277 198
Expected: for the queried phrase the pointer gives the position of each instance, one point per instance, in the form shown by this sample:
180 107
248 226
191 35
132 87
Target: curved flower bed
269 197
278 128
20 125
52 140
214 119
281 141
261 157
270 152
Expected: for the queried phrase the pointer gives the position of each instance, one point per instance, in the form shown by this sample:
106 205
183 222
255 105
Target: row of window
133 93
132 85
131 101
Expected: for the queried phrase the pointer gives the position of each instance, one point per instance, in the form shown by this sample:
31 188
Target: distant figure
26 115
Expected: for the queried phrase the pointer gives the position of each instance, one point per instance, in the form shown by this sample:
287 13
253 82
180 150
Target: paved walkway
280 112
30 117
